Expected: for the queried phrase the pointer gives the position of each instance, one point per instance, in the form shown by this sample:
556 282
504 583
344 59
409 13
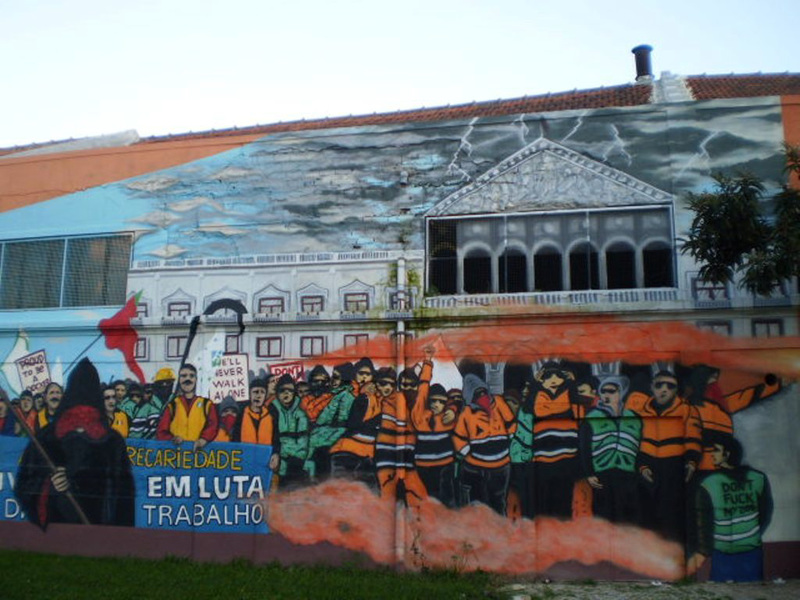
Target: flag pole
84 351
43 453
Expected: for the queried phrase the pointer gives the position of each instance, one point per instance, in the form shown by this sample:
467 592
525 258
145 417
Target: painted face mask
317 387
484 401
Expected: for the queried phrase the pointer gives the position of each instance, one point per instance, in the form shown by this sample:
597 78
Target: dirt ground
774 590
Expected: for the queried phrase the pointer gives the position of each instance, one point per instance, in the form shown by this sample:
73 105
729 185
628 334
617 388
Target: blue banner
11 449
222 487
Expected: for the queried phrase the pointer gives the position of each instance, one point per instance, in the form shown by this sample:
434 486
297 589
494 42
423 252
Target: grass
36 576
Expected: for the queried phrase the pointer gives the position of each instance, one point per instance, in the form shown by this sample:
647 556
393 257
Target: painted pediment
548 176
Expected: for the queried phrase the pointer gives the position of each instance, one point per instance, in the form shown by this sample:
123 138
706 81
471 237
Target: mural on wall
557 435
365 187
612 443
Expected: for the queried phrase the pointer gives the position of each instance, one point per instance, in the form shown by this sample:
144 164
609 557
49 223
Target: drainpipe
400 361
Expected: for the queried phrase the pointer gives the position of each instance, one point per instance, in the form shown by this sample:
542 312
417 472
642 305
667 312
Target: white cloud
152 184
168 251
196 202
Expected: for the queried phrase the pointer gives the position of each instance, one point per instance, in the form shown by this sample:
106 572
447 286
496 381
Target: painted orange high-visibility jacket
394 444
555 426
256 428
674 432
483 438
314 405
434 438
362 426
716 417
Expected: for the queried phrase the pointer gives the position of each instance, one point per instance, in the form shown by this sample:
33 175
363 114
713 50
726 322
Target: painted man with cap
394 444
482 437
188 417
669 453
609 445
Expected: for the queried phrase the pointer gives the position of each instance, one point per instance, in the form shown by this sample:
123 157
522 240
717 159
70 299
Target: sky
89 67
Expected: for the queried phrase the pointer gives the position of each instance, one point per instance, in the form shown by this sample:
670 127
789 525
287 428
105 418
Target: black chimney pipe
643 68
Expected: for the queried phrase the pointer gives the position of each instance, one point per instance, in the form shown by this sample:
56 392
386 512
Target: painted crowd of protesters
647 448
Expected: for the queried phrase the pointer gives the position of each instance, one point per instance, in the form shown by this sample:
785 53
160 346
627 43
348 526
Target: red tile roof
710 87
704 87
623 95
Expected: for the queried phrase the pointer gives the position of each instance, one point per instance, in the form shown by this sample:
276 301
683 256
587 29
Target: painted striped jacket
734 509
555 427
482 438
434 447
675 432
394 445
609 442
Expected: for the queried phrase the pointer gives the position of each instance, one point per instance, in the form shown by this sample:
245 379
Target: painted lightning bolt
523 129
576 127
701 154
617 143
466 147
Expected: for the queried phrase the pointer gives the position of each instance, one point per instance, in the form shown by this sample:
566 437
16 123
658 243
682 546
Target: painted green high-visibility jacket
143 417
734 508
332 421
292 432
521 448
609 442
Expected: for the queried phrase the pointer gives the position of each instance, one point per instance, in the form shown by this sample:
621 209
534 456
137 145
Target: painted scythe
221 304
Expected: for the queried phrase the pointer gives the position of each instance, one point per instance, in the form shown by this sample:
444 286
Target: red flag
120 335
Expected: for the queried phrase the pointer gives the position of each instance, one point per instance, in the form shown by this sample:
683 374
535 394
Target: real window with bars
548 252
65 272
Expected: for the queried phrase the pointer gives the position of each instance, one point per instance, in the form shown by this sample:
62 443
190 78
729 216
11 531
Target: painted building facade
534 244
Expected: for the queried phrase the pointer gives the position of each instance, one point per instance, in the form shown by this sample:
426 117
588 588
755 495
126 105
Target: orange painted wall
30 179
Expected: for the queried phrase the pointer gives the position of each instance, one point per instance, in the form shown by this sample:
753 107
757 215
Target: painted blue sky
88 67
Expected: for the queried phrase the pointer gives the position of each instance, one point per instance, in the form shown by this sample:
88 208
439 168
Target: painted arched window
584 271
512 271
621 266
547 270
657 264
478 272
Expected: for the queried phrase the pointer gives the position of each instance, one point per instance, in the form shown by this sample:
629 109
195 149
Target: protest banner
295 369
11 449
34 374
229 378
219 488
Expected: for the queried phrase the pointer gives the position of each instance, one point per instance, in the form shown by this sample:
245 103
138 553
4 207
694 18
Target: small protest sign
34 374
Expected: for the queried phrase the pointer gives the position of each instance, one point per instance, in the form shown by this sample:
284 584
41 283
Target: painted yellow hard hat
164 374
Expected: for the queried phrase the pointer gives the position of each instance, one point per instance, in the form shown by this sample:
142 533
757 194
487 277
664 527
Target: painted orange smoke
595 340
351 516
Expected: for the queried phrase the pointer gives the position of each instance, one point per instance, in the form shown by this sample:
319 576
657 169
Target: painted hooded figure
90 461
481 437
